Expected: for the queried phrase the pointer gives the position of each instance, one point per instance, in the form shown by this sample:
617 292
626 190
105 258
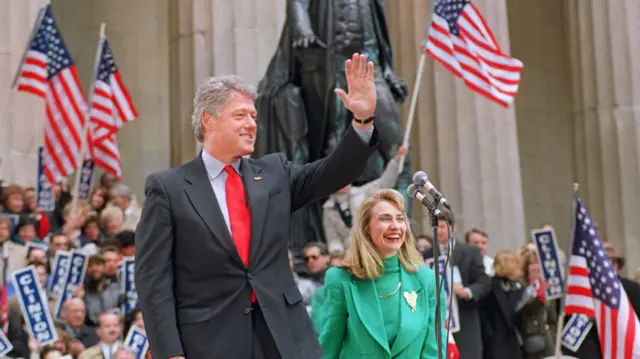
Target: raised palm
361 96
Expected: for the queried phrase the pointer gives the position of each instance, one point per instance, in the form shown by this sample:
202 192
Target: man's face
443 231
41 272
234 129
111 263
75 313
95 270
480 241
110 328
59 243
316 262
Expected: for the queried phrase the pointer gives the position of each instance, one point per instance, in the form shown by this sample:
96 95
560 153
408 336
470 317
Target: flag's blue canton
603 279
107 64
450 10
48 41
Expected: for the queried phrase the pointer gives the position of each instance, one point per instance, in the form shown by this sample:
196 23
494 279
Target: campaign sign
60 270
74 277
545 240
33 302
575 331
136 340
46 197
129 285
86 176
453 318
5 344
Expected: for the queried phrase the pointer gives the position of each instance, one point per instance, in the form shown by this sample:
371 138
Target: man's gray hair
212 95
122 190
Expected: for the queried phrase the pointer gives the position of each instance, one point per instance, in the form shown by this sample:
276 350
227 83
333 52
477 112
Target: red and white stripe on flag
111 108
452 348
460 39
55 79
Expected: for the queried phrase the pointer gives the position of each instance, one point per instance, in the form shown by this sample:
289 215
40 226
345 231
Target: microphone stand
433 214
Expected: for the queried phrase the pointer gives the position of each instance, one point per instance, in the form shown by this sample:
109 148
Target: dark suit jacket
195 292
469 261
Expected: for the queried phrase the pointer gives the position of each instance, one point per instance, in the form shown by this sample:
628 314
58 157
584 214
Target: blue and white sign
453 317
40 245
86 177
46 197
5 344
136 340
74 277
129 285
575 331
545 240
33 302
61 264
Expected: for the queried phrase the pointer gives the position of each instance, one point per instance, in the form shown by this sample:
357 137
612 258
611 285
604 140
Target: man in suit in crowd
212 269
474 286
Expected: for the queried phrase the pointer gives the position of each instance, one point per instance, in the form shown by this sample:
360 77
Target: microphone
414 192
420 179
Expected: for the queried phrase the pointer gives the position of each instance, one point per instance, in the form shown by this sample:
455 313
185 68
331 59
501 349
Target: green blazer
350 325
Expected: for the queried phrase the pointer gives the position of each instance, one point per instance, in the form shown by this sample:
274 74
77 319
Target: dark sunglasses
308 258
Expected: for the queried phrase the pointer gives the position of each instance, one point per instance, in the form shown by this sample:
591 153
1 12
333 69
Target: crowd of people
90 323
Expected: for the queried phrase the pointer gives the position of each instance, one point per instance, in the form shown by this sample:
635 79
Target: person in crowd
213 276
630 287
124 353
13 204
423 243
100 294
109 332
31 208
51 353
112 258
500 308
122 196
538 316
108 180
113 224
316 257
62 197
381 302
337 210
91 237
37 254
26 230
97 200
306 286
58 241
472 286
480 239
16 254
73 221
74 316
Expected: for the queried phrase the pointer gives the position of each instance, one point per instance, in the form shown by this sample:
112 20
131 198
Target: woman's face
97 200
387 228
533 270
15 203
27 233
114 224
92 230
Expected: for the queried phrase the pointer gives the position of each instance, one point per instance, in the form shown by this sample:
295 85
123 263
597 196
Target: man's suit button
249 276
247 310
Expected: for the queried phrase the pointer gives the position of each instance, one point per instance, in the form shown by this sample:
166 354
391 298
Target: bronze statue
299 113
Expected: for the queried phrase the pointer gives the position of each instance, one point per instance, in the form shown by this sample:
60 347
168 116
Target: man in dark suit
212 269
474 287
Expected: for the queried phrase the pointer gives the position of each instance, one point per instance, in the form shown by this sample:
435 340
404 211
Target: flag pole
87 119
572 233
412 107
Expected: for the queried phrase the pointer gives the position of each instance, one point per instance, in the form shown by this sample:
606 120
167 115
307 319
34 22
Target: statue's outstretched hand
361 96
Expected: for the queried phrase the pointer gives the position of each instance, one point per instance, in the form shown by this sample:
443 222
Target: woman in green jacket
380 303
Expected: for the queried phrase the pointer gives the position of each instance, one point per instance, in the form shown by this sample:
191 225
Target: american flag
460 39
49 72
111 108
595 291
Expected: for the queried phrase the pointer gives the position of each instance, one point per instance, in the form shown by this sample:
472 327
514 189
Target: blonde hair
362 258
507 263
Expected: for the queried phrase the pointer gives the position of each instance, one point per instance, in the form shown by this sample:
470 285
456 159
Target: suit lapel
369 310
411 322
257 198
204 201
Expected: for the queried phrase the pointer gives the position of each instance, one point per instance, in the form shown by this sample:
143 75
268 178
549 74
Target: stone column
606 99
467 144
21 114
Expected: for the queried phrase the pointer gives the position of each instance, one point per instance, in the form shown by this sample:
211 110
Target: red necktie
239 216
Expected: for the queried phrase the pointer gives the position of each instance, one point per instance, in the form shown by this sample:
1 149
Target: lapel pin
257 178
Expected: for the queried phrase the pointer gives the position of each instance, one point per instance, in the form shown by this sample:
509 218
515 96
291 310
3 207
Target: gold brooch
412 299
